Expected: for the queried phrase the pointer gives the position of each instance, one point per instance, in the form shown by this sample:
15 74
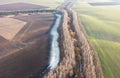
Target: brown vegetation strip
92 66
65 67
76 48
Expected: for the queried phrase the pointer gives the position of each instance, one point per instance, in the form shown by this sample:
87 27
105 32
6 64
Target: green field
52 4
102 24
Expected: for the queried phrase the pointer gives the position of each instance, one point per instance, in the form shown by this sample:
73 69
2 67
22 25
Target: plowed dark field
20 6
28 52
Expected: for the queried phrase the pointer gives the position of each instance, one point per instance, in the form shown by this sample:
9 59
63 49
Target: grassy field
102 24
51 4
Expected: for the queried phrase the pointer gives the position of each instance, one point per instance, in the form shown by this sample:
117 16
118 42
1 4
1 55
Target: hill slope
20 6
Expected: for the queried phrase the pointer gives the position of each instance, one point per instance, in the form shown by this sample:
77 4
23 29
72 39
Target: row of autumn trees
23 11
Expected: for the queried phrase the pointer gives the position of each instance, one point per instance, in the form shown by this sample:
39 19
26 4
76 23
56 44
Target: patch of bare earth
9 27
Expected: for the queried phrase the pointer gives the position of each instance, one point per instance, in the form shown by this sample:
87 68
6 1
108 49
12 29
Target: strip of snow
55 51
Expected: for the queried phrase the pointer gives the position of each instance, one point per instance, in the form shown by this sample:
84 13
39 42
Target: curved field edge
51 4
102 26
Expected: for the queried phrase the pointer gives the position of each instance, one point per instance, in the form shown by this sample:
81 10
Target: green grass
109 53
102 24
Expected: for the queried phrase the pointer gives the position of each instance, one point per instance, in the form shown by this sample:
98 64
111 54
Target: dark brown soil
28 52
20 6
